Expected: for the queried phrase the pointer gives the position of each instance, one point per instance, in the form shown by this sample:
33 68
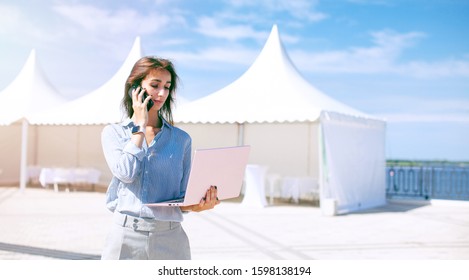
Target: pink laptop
221 167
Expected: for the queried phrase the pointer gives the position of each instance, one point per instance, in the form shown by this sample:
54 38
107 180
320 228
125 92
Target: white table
68 176
33 173
254 194
296 187
272 179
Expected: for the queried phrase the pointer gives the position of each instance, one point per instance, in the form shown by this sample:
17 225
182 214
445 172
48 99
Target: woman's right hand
209 201
139 106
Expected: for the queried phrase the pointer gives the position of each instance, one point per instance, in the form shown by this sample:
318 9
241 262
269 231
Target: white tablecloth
57 176
297 187
33 173
254 194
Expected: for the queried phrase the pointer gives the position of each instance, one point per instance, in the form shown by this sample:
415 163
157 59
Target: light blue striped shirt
153 173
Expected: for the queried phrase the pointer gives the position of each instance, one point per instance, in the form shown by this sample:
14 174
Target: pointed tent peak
109 93
136 47
273 45
32 74
32 56
31 61
134 54
137 41
274 34
276 90
30 66
32 90
121 75
273 55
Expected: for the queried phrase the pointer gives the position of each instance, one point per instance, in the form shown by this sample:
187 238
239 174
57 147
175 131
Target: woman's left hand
208 202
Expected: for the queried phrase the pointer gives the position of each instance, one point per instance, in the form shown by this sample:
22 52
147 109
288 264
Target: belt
143 224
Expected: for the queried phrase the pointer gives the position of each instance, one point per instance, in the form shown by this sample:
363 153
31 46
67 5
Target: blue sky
406 61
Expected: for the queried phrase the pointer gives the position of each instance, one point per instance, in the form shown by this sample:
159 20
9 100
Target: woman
150 160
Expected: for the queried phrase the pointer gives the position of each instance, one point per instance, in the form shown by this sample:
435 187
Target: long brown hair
140 70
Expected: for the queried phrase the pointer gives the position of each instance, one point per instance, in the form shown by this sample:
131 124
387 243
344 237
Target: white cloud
80 27
444 68
213 28
18 25
97 30
121 21
299 9
210 56
225 26
393 43
383 56
426 118
427 109
372 2
11 16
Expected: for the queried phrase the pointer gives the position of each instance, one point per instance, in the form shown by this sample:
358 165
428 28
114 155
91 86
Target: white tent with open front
63 134
294 129
77 125
28 94
101 106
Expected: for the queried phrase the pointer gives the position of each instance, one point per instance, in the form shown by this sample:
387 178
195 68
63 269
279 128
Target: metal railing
428 182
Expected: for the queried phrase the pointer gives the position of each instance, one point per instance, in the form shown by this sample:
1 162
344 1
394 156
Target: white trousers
134 238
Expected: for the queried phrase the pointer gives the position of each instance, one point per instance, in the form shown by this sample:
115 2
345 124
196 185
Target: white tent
271 90
101 106
70 135
294 129
29 93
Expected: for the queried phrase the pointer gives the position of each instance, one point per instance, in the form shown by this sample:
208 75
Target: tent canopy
295 130
271 90
29 93
101 106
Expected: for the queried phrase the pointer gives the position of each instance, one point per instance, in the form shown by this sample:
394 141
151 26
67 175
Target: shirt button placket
144 189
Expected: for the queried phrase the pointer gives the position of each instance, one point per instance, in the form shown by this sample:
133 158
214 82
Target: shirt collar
127 122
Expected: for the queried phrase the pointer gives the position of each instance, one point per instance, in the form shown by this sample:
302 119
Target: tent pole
321 160
240 134
24 153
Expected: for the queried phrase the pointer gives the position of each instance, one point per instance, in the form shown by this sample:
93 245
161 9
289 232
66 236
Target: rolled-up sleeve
123 157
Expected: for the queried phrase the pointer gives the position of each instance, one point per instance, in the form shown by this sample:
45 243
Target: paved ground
39 224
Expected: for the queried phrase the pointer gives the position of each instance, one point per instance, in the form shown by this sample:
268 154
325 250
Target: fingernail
215 187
